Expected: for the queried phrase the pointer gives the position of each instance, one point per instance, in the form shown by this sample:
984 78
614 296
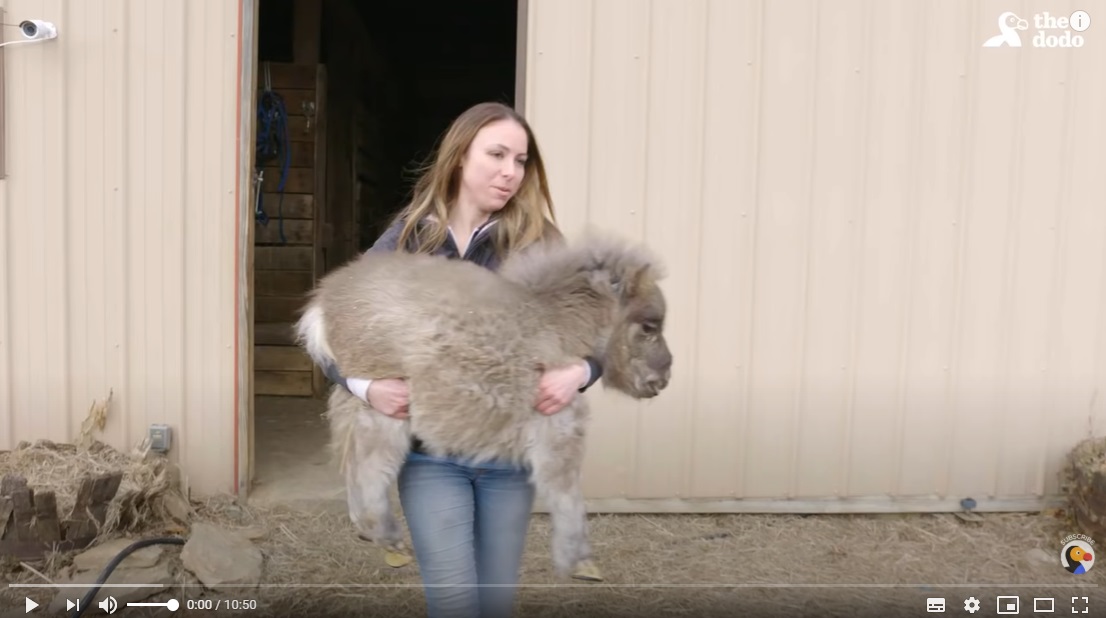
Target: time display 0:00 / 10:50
216 604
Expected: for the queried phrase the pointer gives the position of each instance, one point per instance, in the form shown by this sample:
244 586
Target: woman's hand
559 386
389 396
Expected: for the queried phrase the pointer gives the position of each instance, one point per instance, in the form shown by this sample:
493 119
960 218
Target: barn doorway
367 88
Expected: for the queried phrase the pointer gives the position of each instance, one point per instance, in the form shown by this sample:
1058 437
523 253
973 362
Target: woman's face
494 165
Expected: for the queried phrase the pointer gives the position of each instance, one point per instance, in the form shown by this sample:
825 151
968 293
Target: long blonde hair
525 219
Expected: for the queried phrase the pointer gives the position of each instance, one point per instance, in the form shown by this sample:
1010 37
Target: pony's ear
627 284
607 280
599 278
618 284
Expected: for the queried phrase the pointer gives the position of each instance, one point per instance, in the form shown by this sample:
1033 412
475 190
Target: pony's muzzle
657 382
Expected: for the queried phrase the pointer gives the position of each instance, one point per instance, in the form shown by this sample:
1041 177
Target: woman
483 197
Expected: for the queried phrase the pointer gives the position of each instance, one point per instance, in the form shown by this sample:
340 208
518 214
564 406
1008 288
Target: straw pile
148 494
148 497
1085 486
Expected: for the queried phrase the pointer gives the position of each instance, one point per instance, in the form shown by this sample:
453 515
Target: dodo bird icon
1008 26
1077 558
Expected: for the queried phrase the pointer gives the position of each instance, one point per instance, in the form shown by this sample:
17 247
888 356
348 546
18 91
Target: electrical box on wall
160 438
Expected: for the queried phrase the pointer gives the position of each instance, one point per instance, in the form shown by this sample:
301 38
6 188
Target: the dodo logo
1076 555
1047 30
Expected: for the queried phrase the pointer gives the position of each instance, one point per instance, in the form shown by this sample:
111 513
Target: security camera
37 30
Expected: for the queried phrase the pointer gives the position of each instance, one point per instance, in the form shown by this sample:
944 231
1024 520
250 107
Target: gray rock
98 557
221 558
177 507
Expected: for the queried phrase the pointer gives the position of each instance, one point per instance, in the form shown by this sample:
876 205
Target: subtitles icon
935 605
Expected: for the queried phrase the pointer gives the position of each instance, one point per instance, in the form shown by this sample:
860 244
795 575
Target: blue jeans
468 526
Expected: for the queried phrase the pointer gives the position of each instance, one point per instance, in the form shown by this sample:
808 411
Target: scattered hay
674 565
96 418
315 560
1084 483
670 565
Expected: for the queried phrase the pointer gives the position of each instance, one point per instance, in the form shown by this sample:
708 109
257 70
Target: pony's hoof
397 559
587 571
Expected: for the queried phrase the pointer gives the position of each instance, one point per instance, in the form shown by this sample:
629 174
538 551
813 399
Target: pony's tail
311 335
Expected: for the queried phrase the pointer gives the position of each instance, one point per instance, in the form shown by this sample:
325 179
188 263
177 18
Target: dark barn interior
367 89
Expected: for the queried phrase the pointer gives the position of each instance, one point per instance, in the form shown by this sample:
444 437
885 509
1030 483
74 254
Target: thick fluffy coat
472 344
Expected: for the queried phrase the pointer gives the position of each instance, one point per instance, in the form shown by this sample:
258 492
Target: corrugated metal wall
885 243
887 278
118 225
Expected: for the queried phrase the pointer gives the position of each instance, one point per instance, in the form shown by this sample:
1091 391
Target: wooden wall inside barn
337 196
364 102
286 269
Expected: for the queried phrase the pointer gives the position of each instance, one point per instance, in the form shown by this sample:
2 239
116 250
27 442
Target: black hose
106 573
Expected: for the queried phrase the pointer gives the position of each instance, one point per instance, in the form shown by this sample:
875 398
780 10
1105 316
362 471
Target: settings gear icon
971 605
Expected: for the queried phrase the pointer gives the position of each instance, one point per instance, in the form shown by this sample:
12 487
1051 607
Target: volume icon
109 605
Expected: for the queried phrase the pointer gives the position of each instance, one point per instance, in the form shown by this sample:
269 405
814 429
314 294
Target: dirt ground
654 565
678 565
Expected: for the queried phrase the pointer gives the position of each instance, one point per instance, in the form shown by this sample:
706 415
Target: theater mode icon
1044 605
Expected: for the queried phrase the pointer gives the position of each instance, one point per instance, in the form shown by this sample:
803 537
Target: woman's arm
357 386
595 371
558 386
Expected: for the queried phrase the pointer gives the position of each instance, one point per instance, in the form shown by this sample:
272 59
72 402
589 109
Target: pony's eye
649 328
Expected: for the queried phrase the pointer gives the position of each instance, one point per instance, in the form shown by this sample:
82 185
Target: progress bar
574 585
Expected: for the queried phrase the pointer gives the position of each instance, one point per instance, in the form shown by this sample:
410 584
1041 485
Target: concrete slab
294 467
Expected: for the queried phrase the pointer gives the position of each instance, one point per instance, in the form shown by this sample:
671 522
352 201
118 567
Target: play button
30 605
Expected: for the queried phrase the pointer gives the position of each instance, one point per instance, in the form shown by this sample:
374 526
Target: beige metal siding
119 226
885 244
887 273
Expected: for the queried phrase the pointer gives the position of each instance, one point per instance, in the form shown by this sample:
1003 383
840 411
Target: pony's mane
549 264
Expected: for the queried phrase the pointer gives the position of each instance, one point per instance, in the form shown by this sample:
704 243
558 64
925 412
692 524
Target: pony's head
616 286
636 359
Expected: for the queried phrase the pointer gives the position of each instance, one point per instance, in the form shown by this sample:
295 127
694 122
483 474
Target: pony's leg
555 459
379 449
370 449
